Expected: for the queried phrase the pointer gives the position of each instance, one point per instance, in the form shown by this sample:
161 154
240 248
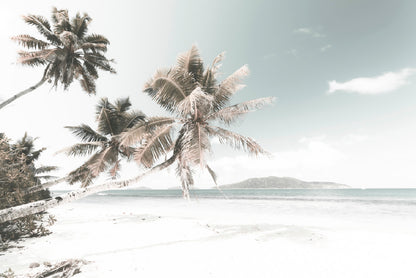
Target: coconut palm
68 53
103 145
197 101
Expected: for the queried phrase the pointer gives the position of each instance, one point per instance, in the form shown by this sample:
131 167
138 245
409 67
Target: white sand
227 238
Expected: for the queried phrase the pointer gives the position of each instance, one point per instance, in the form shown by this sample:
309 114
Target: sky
343 74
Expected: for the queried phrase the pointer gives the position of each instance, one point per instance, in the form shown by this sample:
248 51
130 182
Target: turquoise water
400 196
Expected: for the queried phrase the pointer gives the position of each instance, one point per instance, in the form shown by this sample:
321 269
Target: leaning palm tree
197 101
67 54
103 145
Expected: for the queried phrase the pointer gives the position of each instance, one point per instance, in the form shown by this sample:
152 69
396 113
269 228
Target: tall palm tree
197 101
103 145
67 54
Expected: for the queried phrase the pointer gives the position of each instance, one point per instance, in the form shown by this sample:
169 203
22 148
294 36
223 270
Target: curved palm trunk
22 93
40 206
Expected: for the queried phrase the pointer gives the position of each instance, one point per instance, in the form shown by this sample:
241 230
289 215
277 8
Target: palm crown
68 52
103 145
196 99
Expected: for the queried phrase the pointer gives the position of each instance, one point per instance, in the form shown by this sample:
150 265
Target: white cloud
313 160
309 32
384 83
326 47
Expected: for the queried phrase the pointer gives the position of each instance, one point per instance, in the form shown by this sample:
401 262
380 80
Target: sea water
376 195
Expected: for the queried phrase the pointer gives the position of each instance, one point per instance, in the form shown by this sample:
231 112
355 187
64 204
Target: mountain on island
282 183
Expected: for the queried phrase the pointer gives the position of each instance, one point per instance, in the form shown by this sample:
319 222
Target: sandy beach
161 237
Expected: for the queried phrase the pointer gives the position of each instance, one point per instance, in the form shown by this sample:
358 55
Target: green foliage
18 173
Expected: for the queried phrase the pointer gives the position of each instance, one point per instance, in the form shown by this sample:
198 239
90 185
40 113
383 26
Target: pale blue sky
362 133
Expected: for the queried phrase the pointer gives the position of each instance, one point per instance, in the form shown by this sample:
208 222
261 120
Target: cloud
384 83
326 47
309 32
314 159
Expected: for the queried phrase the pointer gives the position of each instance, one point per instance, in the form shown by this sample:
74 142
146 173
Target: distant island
282 183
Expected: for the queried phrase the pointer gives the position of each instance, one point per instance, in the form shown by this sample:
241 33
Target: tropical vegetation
18 172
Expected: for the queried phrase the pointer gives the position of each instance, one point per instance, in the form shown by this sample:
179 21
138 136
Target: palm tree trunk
40 206
22 93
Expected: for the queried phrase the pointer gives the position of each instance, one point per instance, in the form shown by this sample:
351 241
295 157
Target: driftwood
64 269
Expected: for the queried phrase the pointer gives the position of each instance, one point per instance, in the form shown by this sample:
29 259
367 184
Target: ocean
405 196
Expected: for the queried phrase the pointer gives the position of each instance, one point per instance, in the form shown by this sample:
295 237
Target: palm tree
26 147
67 54
197 100
24 157
103 144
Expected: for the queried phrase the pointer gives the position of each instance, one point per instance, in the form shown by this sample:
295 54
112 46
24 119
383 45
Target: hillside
282 182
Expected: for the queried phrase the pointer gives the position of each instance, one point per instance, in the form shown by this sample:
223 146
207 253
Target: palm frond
46 177
32 61
81 174
229 86
169 87
154 145
43 26
79 24
115 169
191 62
194 143
141 130
132 118
100 61
91 69
212 173
86 133
45 169
34 58
81 149
103 103
30 42
209 81
235 140
195 104
96 39
87 81
122 104
94 46
186 176
106 121
103 160
61 22
230 114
